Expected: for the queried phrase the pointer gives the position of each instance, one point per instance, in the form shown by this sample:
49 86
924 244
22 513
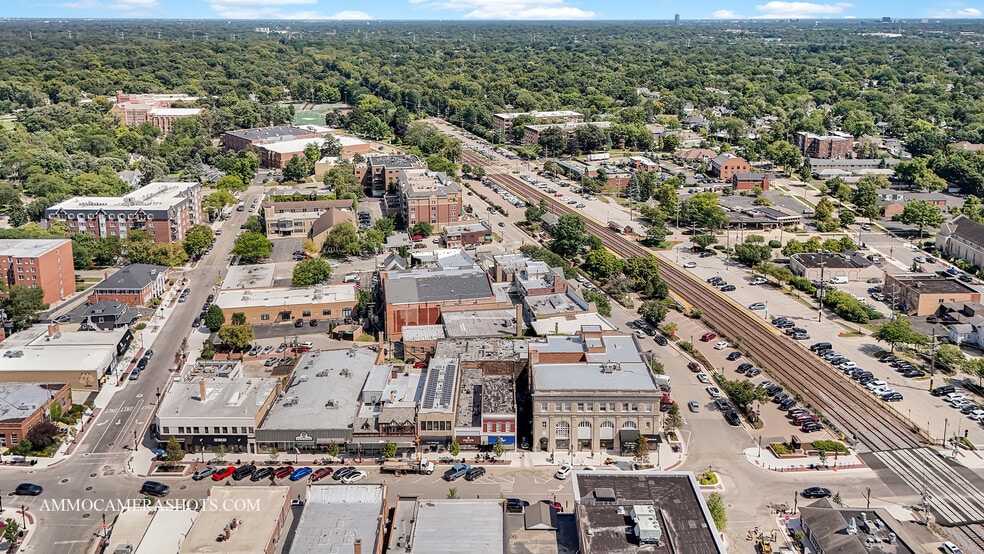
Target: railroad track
838 399
969 537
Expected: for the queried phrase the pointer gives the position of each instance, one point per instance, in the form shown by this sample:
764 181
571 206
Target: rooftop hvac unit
647 527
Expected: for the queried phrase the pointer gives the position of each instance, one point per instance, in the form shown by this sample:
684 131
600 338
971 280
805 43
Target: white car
564 471
354 477
758 281
721 345
876 384
690 265
951 548
976 415
848 365
703 378
839 280
955 397
714 392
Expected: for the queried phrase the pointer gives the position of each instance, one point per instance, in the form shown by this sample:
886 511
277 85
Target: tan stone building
305 218
923 295
284 304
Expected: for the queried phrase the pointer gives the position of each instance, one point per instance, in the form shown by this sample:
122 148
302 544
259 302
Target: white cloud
264 3
958 14
787 10
112 5
508 9
794 10
274 9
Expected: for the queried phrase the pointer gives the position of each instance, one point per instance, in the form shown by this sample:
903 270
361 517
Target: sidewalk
766 460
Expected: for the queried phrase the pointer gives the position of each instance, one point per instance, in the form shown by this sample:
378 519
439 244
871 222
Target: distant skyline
489 9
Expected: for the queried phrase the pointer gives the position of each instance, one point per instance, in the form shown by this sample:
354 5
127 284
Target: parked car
354 477
732 418
515 505
564 471
456 471
283 471
694 367
694 406
734 356
261 473
221 474
271 361
703 378
242 472
661 340
300 473
342 472
474 473
153 488
707 337
690 265
202 473
743 367
721 345
728 288
320 474
757 306
816 492
752 373
811 427
713 391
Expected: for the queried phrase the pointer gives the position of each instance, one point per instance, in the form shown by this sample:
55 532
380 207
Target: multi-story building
963 238
436 413
466 234
135 109
429 196
381 172
285 304
24 405
240 139
45 263
834 146
276 154
531 133
748 181
922 295
503 122
165 210
135 284
588 388
299 218
725 166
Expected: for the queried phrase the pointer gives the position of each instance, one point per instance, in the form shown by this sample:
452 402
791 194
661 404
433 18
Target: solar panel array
439 391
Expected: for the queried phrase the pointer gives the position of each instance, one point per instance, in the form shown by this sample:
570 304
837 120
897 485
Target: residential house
108 314
135 284
894 201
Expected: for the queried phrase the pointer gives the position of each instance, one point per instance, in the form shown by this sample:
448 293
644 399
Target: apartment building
135 284
380 172
165 210
531 133
45 263
299 218
835 146
136 109
429 196
24 405
503 122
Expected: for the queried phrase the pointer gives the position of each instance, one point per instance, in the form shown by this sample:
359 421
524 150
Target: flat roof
389 161
285 296
225 397
682 514
68 358
176 112
271 133
550 304
483 349
569 324
851 260
326 385
37 335
933 284
298 145
29 248
440 381
153 196
436 285
424 183
250 276
413 333
333 517
449 526
480 323
19 401
167 531
619 367
555 113
255 527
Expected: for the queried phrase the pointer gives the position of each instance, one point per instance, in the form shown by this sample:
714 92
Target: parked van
243 472
351 278
821 346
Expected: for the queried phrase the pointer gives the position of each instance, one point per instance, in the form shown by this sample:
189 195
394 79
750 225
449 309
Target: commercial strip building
284 304
165 210
215 406
45 263
24 405
830 528
503 122
442 526
588 389
428 196
922 295
816 266
278 144
380 173
250 518
834 146
466 234
156 109
643 511
135 284
341 520
82 359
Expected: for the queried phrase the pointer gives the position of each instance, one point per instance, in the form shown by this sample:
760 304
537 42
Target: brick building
748 181
531 133
429 196
286 304
725 166
299 218
135 109
24 405
240 139
922 295
276 154
835 146
45 263
165 210
380 172
466 234
503 122
135 284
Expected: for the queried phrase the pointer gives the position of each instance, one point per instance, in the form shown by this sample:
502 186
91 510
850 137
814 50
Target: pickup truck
456 471
400 467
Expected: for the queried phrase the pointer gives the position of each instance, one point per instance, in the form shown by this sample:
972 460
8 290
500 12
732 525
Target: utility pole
820 294
932 361
868 497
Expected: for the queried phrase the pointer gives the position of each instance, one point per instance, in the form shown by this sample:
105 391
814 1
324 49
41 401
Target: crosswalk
952 495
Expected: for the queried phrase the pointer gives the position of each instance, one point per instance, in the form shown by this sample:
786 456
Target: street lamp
822 265
24 517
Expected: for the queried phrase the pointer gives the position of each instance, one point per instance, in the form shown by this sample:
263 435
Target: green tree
218 200
702 210
232 183
11 530
236 336
421 228
743 393
784 154
55 411
253 224
311 271
553 141
865 196
753 254
343 239
673 419
703 241
21 304
500 448
924 139
386 225
921 213
214 318
715 504
602 264
533 215
251 247
653 311
601 302
895 332
298 168
568 235
173 451
642 449
389 449
332 450
197 239
950 355
454 449
238 318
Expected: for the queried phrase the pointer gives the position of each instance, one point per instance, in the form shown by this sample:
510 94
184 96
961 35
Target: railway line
840 400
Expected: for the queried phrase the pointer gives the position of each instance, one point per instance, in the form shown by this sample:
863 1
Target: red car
321 473
554 505
694 366
420 365
283 472
708 337
223 473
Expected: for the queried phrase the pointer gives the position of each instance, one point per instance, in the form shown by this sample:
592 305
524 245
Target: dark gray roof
847 260
279 132
750 176
132 277
437 286
967 229
107 307
393 162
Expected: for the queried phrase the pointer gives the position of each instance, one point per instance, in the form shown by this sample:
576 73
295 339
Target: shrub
708 478
775 244
831 446
140 326
781 449
803 284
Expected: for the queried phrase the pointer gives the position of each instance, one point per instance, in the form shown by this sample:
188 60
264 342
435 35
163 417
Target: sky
490 9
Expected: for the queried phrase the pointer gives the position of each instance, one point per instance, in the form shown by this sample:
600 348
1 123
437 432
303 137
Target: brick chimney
519 320
52 329
357 546
201 389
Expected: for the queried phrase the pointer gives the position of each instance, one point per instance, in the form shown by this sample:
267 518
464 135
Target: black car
734 356
210 298
28 489
661 340
816 492
153 488
913 373
515 505
752 372
773 390
242 472
732 418
474 473
728 288
261 473
314 323
343 472
780 398
142 363
197 322
787 404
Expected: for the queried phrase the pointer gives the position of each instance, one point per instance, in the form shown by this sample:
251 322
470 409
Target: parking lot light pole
820 294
